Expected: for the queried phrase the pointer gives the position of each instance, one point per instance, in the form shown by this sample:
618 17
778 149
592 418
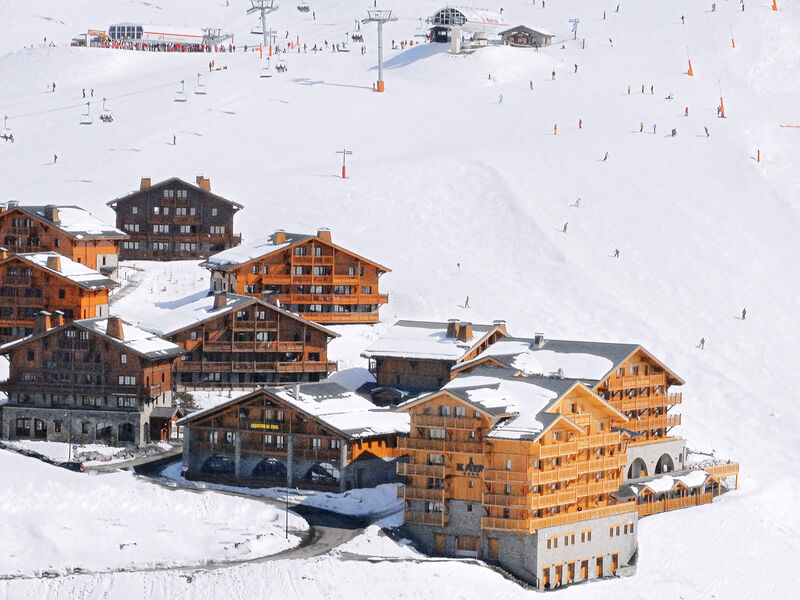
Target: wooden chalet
68 230
316 435
242 342
91 380
414 356
48 281
308 274
525 37
502 464
175 220
663 493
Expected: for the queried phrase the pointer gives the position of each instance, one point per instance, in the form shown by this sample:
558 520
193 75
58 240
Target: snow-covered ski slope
442 173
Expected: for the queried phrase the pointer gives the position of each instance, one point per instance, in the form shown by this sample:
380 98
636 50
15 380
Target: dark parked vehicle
71 466
218 465
270 468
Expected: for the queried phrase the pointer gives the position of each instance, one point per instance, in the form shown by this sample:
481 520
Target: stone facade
652 458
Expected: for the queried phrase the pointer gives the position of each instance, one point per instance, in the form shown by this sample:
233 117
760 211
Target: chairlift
105 114
281 67
266 71
6 131
181 95
200 88
86 118
343 47
303 6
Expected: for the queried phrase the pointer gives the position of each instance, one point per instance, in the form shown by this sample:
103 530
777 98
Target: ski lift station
452 23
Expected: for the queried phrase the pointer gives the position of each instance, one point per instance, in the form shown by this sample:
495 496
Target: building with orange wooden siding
309 274
68 230
175 220
414 356
240 342
316 435
91 380
48 281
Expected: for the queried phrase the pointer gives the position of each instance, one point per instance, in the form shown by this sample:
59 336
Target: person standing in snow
641 126
55 160
674 132
617 8
713 7
683 20
611 42
500 100
616 253
643 88
92 93
576 67
84 92
466 302
651 90
565 227
707 134
530 83
604 15
580 123
702 343
174 139
553 79
744 313
629 90
605 158
54 86
686 112
555 129
654 128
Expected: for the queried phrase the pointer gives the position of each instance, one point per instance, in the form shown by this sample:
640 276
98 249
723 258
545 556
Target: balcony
647 402
540 501
288 346
342 317
616 384
604 463
598 440
217 345
416 470
657 422
723 470
405 443
346 280
435 421
571 517
497 524
418 493
558 449
307 366
276 279
652 508
505 500
437 519
503 476
310 259
553 476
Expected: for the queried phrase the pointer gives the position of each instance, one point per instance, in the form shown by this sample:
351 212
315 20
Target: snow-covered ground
380 500
443 174
58 521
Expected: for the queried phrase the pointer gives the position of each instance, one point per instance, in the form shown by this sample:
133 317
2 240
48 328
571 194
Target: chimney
114 328
51 213
54 262
279 237
41 322
145 184
324 233
538 340
464 331
501 324
58 318
13 203
203 183
452 328
297 391
220 300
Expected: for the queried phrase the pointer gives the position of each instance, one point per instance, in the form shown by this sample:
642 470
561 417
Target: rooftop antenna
379 16
264 7
344 153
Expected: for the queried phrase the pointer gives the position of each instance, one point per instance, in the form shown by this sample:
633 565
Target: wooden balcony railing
498 524
418 493
604 463
505 500
307 366
438 445
554 475
558 449
723 470
636 381
598 487
571 517
217 345
657 422
647 402
503 476
438 519
342 317
445 422
539 501
412 469
310 259
659 506
598 440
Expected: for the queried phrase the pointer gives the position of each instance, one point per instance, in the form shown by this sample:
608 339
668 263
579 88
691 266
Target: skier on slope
641 126
707 134
553 79
565 227
605 158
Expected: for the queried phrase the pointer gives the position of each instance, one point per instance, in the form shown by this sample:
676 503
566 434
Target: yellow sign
270 426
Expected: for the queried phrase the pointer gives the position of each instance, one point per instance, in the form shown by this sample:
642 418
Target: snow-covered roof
538 30
137 340
73 220
239 255
474 16
498 392
425 340
660 484
588 361
175 316
348 412
69 269
170 181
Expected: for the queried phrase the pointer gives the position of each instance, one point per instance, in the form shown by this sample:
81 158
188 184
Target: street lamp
379 16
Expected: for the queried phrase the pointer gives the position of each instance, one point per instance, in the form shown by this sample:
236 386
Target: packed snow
465 196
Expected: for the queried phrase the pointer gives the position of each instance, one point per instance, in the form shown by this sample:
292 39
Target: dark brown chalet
241 342
175 220
92 380
309 275
68 230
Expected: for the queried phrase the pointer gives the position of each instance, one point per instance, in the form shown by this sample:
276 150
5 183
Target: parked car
218 465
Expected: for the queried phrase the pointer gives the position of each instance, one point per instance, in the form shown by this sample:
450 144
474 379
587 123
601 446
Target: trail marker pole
344 152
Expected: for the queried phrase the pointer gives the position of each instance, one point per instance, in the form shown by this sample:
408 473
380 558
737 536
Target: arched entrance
637 469
665 464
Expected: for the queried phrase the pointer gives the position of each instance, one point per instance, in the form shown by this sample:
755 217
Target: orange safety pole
733 43
583 45
774 5
260 51
690 73
758 155
721 107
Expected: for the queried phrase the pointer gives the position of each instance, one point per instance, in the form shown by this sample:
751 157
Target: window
217 229
316 443
444 411
320 271
131 227
193 336
255 269
566 540
183 194
436 459
469 506
157 209
621 371
335 444
617 529
134 210
588 536
213 212
630 529
297 270
264 268
57 426
366 289
508 464
437 434
180 211
185 229
160 228
85 427
62 294
58 243
461 412
508 489
30 355
127 380
300 251
351 271
123 358
279 441
317 250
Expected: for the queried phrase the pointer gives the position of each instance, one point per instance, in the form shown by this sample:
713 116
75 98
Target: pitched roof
70 270
166 412
426 340
136 340
348 413
169 181
245 253
526 28
190 311
72 220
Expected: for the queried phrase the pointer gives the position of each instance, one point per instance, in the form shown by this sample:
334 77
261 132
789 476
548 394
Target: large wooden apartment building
68 230
174 220
48 281
91 380
315 435
234 341
413 356
309 274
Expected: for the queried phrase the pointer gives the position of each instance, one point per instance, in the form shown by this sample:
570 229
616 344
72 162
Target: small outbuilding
525 37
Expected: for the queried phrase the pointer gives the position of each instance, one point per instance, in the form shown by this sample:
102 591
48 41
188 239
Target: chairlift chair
181 95
266 71
105 114
303 6
200 88
86 118
6 130
343 47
